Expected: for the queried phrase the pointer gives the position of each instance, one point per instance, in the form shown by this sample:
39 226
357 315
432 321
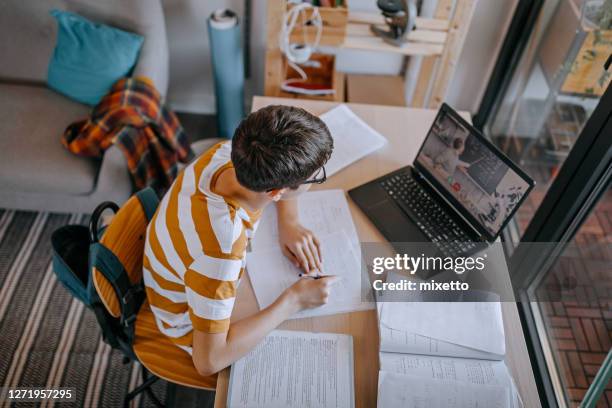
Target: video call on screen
471 172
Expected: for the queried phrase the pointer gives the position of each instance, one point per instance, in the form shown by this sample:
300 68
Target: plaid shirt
149 135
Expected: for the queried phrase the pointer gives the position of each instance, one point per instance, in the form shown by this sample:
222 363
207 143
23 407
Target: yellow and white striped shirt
195 251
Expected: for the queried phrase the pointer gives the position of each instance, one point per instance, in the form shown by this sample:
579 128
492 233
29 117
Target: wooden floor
579 324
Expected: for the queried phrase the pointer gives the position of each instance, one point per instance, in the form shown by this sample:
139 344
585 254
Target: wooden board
428 64
426 36
421 23
460 23
377 44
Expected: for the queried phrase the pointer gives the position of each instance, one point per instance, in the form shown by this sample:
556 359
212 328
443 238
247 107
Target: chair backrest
115 261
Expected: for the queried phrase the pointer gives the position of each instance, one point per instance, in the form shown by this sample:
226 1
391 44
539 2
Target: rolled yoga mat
228 69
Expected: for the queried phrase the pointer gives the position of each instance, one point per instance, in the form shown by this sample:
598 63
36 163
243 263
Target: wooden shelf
437 38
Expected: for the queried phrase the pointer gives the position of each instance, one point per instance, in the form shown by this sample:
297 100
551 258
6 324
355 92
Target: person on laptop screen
196 242
448 160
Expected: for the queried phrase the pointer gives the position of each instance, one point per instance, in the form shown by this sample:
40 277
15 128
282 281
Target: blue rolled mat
228 69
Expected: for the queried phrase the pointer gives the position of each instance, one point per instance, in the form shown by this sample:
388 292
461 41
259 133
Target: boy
196 242
448 160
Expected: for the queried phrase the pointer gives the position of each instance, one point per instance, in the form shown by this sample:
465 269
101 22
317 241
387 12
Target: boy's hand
300 246
309 293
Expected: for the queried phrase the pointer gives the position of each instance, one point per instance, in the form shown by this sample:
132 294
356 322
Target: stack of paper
432 353
353 138
326 213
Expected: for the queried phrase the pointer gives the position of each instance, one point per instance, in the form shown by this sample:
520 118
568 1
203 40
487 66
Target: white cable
299 53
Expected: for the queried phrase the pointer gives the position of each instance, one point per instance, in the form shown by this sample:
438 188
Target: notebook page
281 372
449 369
398 341
323 212
398 390
476 325
271 273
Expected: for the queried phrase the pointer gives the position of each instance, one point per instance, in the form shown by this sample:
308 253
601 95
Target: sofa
36 171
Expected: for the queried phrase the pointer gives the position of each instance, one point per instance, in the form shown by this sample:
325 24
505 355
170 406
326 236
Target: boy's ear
276 194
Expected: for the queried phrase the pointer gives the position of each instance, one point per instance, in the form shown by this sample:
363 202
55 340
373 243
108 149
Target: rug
48 338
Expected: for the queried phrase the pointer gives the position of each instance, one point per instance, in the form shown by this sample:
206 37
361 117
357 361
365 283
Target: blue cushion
89 57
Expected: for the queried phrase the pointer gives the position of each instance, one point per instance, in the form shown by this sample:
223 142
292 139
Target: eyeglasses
320 177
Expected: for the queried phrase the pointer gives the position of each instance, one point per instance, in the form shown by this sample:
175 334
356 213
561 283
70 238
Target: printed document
271 273
449 369
295 369
353 138
399 390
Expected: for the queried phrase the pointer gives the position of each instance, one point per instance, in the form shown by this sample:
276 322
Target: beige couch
36 172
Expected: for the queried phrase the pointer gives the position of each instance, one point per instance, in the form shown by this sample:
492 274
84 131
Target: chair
126 318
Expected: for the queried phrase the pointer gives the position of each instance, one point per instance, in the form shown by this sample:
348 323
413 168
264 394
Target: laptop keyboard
429 216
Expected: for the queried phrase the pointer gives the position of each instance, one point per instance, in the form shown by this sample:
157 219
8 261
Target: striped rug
47 338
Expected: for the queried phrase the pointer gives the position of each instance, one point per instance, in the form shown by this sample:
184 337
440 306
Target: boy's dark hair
279 146
457 143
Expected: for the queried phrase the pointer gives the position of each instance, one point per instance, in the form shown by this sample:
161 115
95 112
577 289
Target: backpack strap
130 295
149 201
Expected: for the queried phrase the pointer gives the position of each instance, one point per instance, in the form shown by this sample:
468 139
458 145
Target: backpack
102 267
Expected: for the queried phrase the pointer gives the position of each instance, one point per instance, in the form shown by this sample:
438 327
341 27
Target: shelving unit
440 40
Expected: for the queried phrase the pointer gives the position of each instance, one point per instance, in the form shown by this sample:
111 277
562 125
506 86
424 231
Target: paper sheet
295 369
477 325
449 369
271 273
353 138
401 341
396 341
322 212
397 390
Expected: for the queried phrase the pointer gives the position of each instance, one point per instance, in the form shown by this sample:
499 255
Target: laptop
459 194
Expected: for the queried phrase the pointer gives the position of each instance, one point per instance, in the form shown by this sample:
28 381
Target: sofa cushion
33 158
28 34
90 57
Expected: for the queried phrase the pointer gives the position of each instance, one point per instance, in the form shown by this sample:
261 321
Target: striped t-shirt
195 251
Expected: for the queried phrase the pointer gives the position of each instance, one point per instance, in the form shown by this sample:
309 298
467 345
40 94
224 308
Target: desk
405 128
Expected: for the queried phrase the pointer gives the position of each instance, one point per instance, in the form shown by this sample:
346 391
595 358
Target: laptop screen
479 178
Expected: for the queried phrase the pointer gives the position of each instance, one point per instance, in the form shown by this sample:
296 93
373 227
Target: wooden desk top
405 129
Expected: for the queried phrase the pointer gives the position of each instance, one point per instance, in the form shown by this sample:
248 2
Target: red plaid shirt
149 135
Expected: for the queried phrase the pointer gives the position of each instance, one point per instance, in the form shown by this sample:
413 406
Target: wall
191 88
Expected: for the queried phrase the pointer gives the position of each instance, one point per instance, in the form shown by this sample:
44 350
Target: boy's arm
212 352
299 244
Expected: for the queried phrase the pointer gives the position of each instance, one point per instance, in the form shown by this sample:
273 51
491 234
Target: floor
579 326
198 126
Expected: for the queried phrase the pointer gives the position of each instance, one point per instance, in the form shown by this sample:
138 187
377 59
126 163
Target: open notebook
327 215
432 353
295 369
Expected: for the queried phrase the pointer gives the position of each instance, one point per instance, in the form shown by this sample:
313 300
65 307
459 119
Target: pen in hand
311 276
